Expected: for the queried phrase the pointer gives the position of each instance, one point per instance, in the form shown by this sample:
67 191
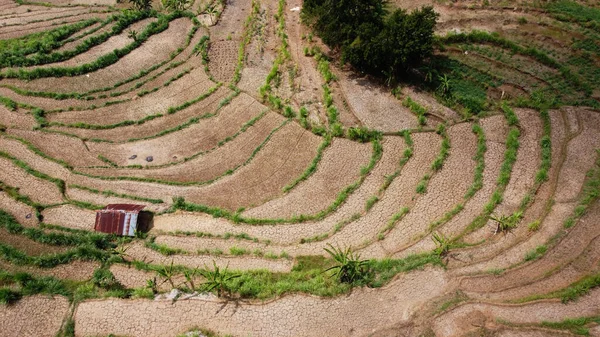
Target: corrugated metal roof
124 207
118 219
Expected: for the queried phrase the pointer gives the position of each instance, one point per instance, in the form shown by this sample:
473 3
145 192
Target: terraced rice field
474 208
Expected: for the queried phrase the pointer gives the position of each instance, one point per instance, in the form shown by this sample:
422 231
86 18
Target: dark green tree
369 37
141 5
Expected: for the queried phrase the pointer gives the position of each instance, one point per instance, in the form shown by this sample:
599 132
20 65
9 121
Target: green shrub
363 134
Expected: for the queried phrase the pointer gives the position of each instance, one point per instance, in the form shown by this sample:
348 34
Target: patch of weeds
536 253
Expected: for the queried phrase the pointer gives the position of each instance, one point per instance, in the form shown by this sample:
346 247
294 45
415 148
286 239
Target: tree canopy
372 38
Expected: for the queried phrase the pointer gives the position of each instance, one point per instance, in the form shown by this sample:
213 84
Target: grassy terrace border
153 28
510 157
407 154
195 183
243 129
108 193
170 111
540 56
122 21
308 276
86 95
477 178
236 217
438 163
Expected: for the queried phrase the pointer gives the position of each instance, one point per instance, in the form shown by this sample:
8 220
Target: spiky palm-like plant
217 279
167 273
506 223
350 268
141 5
442 244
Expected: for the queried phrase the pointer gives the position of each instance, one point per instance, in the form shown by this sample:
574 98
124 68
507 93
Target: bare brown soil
70 216
495 130
339 167
208 166
24 214
16 119
155 126
37 189
209 154
174 95
446 189
356 314
45 316
373 105
182 144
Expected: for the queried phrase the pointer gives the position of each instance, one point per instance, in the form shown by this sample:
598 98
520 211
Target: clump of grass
591 193
417 109
370 202
536 253
571 293
534 226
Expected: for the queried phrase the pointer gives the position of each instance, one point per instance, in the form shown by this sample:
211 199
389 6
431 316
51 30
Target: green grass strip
171 110
118 195
194 183
180 203
312 168
510 157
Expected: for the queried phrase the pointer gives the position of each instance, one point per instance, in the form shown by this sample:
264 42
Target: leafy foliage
370 38
141 5
218 280
349 268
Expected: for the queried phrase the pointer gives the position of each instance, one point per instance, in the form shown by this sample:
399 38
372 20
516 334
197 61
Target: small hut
120 219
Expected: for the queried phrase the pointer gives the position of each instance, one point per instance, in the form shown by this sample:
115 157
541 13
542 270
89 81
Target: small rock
173 295
133 157
149 158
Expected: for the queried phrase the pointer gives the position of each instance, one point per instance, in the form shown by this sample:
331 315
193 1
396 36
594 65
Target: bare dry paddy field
471 210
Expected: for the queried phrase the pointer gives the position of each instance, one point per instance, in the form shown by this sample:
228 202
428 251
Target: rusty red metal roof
118 219
124 207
